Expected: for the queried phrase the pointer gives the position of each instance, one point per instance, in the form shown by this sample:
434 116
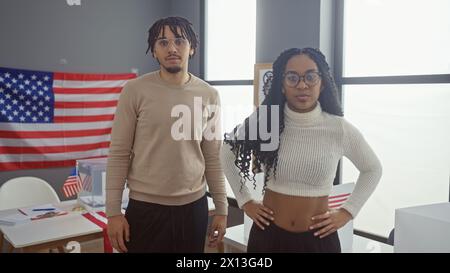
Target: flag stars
34 118
8 85
21 86
22 118
4 112
15 91
28 102
46 119
33 87
33 77
15 102
10 118
14 80
46 108
34 108
2 101
8 107
7 75
34 97
45 88
39 83
28 113
15 113
41 103
21 108
41 93
40 113
28 92
8 96
21 97
27 82
2 79
46 78
21 76
47 98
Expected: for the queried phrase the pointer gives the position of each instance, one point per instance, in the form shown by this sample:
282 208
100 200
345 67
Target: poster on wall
261 84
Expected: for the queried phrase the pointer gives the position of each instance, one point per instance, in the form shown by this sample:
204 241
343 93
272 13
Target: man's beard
172 70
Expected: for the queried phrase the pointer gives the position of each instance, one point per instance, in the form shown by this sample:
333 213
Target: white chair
26 191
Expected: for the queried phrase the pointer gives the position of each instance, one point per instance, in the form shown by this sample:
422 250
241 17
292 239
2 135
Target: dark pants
159 228
275 239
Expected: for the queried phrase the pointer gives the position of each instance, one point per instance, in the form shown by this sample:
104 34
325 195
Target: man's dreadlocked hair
185 26
244 149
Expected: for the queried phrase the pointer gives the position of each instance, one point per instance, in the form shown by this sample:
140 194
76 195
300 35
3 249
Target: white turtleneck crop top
311 146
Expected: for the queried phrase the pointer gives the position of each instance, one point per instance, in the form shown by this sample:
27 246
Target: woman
313 136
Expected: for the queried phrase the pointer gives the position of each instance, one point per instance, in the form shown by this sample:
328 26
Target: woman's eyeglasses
292 78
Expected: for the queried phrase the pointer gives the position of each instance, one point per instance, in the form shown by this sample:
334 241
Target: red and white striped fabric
336 201
99 218
80 110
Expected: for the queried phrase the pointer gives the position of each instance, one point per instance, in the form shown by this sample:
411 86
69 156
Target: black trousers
275 239
160 228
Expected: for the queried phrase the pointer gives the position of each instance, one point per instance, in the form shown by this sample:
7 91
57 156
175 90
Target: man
166 175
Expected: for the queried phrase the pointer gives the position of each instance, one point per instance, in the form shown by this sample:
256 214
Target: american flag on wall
50 119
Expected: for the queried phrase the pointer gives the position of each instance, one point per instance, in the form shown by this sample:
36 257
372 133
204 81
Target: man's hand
217 230
118 231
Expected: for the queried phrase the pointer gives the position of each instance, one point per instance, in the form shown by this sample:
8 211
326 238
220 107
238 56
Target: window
407 126
230 39
396 90
229 57
234 110
402 37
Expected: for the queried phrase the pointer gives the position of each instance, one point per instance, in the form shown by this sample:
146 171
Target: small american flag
50 119
86 183
72 185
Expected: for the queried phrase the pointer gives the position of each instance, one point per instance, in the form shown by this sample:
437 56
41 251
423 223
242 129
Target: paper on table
13 219
42 211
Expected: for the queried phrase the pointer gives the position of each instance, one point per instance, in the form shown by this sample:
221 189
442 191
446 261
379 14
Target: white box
92 173
423 229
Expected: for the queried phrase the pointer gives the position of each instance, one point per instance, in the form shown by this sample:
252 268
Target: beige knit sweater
157 167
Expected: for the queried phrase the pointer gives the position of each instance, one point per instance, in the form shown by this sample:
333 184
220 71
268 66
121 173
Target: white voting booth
338 196
423 229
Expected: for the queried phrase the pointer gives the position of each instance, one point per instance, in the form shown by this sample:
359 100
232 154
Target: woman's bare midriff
293 213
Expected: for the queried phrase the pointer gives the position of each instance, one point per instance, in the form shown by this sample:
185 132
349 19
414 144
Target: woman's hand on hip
260 214
330 222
